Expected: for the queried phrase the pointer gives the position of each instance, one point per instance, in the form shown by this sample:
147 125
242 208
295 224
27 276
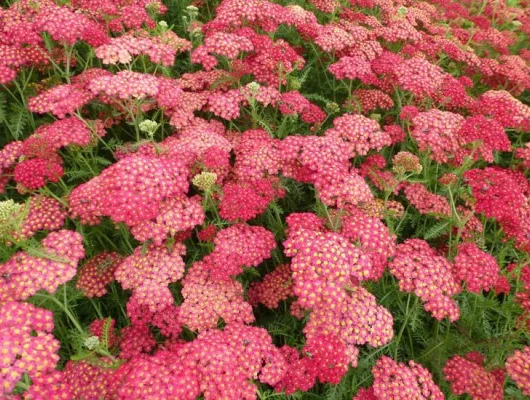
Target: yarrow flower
373 236
370 100
420 270
205 180
323 264
355 318
398 381
276 286
419 76
437 131
23 274
246 200
517 366
357 67
208 297
361 134
217 364
484 136
60 100
89 380
148 126
328 358
404 162
148 274
160 49
478 269
504 108
176 215
239 246
467 375
498 194
9 216
28 346
425 201
131 190
294 102
97 273
34 173
43 213
125 85
300 373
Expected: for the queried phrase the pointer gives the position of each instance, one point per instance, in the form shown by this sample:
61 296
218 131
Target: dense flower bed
245 199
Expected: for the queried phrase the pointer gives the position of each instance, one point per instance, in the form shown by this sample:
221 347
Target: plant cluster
257 199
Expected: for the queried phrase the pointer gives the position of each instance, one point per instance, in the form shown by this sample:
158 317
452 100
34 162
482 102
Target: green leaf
436 231
3 103
17 120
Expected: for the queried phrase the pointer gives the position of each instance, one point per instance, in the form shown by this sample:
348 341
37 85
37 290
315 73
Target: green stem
65 308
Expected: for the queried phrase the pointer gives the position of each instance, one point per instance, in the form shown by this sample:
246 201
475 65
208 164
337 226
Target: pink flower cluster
374 238
419 76
275 287
95 274
178 214
217 364
239 246
61 100
294 102
149 271
323 264
28 347
398 381
125 85
468 375
24 274
420 270
44 213
425 201
224 44
326 270
236 247
160 49
517 366
132 190
246 200
361 134
208 297
504 108
437 132
479 270
501 194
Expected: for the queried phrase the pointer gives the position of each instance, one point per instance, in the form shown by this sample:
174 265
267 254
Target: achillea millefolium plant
255 199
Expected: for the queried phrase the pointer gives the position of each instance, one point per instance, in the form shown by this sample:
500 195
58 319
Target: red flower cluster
97 273
208 297
501 194
420 270
467 375
517 366
28 347
44 213
160 49
437 131
327 269
275 287
360 133
479 270
397 381
149 271
426 202
24 274
130 191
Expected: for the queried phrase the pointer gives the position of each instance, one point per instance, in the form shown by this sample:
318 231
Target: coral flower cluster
249 199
